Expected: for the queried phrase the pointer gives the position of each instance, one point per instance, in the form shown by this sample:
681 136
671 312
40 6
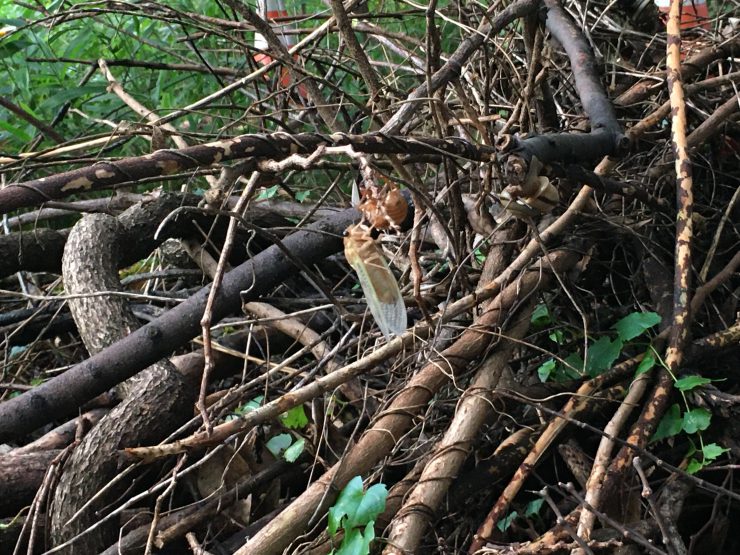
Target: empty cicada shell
381 207
543 201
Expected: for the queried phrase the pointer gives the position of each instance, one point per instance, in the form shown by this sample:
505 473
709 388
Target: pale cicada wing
378 283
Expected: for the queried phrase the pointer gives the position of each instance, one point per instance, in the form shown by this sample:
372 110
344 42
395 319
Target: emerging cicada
376 279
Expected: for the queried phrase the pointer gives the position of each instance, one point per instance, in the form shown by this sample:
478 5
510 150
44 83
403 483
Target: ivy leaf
279 443
267 193
546 369
696 420
346 504
301 196
635 324
557 336
694 466
533 507
572 367
688 383
371 505
711 451
505 522
647 362
351 544
292 453
294 418
251 405
670 425
602 354
541 316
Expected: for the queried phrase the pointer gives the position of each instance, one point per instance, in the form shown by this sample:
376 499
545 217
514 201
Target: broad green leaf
602 354
371 505
695 420
279 443
505 522
670 425
301 196
694 466
546 369
346 504
688 383
635 324
533 507
541 316
711 451
294 418
368 536
647 362
352 544
294 451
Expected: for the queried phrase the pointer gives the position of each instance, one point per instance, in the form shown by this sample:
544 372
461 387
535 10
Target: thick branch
62 395
104 175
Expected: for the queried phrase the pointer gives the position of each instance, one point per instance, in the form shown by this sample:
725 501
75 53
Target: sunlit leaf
635 324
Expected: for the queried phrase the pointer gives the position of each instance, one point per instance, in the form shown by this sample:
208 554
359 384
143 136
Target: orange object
382 207
694 13
271 10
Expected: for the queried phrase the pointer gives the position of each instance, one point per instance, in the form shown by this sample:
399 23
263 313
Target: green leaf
351 544
696 420
541 316
60 97
249 406
267 193
505 522
295 418
647 362
572 367
301 196
16 132
670 425
279 443
294 451
602 354
688 383
546 369
368 536
711 451
357 543
533 507
694 466
635 324
371 505
346 504
355 509
557 336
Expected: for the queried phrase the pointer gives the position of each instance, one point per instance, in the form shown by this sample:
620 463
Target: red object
694 13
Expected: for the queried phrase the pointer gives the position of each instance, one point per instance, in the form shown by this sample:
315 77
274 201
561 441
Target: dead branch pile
568 262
